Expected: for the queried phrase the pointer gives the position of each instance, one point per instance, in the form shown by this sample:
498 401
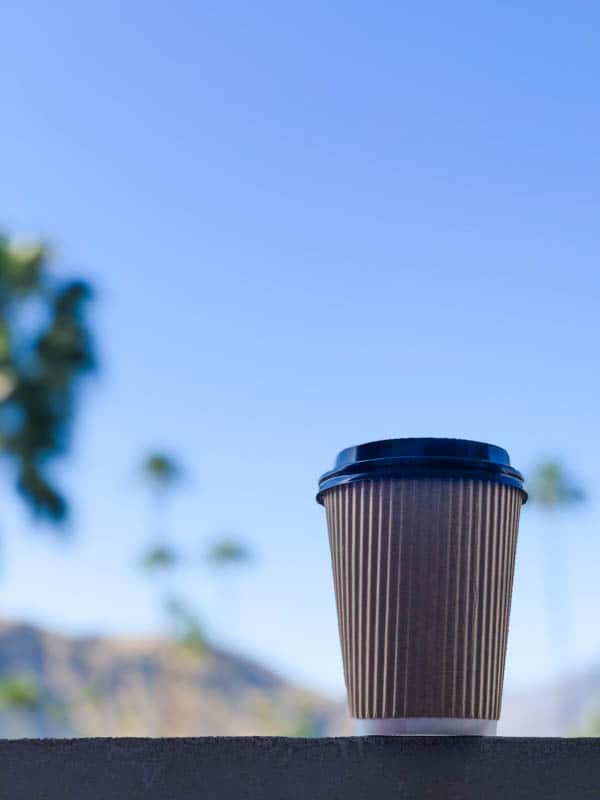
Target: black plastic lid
422 458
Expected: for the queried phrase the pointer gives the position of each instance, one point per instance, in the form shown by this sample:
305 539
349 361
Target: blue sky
309 225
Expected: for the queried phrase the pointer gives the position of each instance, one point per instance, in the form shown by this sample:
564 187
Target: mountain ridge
97 685
148 686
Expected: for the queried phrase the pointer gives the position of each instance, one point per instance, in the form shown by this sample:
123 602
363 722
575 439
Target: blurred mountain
566 707
56 685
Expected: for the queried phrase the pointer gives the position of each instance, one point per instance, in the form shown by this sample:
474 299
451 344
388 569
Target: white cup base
424 726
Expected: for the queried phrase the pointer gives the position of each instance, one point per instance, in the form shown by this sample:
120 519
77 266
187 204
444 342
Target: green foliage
161 471
229 551
550 487
161 557
45 348
593 728
186 628
303 723
19 692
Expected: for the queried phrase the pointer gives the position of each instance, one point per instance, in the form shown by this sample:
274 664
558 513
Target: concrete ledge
307 769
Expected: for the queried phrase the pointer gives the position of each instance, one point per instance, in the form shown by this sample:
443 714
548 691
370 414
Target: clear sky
310 225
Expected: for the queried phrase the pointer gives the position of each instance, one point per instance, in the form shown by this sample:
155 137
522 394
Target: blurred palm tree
158 558
226 556
161 473
553 490
46 348
229 552
185 625
551 487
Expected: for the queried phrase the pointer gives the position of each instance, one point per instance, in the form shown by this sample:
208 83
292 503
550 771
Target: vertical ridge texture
423 574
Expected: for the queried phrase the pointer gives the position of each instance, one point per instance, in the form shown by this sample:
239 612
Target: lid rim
422 457
505 479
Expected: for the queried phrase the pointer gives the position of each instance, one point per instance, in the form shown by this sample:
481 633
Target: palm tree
228 552
553 490
226 555
186 628
159 557
161 473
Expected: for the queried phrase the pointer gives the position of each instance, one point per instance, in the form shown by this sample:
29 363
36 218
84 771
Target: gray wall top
320 769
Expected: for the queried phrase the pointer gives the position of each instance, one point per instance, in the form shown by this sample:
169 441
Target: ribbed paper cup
423 554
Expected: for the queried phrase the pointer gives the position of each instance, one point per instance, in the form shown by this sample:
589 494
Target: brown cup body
423 572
